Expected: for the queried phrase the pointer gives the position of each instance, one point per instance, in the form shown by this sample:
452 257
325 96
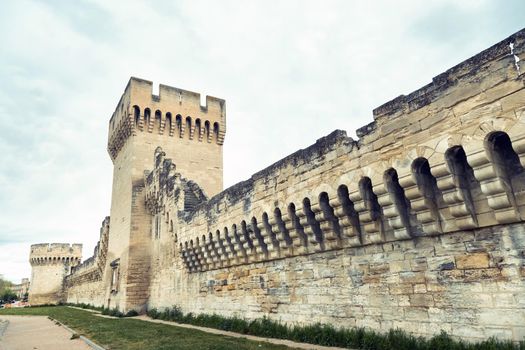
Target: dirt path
36 333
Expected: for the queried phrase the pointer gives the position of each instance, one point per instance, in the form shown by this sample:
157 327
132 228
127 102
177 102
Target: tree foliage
6 294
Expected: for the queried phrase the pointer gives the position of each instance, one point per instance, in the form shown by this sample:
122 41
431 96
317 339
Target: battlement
442 86
446 158
240 191
95 262
173 112
43 253
419 224
169 95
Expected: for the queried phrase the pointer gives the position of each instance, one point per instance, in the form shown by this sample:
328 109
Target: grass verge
327 335
125 333
104 311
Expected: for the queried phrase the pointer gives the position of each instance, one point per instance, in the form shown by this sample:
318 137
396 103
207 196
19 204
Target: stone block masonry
50 264
86 282
417 225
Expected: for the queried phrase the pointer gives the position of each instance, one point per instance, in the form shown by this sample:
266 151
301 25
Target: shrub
175 314
85 306
115 313
44 305
328 335
153 313
131 313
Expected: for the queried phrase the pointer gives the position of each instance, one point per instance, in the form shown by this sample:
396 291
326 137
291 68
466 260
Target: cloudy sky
290 71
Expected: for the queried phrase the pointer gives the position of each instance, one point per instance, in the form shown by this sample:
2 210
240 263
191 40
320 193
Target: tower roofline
56 249
140 110
166 90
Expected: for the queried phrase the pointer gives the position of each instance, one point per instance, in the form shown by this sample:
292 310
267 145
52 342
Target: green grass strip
327 335
126 333
320 334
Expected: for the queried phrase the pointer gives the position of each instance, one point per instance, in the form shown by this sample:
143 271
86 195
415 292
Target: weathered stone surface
472 261
417 225
50 264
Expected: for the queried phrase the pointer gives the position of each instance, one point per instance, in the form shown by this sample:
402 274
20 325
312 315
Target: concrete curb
89 342
3 327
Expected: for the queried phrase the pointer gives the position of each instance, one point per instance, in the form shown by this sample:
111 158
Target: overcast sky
290 71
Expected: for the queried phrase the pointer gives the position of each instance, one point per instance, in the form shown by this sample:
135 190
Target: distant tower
191 135
50 263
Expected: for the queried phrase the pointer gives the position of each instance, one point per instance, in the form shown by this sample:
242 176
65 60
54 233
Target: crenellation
393 217
55 251
50 264
175 109
417 225
168 95
466 73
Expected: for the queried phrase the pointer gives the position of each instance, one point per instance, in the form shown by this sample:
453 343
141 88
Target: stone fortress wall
417 225
50 263
86 282
193 134
176 119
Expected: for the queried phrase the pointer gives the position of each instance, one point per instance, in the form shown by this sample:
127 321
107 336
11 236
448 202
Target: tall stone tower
50 263
192 136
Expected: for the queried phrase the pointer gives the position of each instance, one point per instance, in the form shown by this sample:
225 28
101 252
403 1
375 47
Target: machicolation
50 264
418 224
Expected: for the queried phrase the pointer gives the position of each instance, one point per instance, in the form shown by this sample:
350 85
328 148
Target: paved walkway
36 333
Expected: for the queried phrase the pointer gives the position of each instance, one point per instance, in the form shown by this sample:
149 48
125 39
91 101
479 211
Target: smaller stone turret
50 263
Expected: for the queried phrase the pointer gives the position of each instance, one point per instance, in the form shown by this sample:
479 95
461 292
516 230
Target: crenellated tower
191 135
418 225
50 263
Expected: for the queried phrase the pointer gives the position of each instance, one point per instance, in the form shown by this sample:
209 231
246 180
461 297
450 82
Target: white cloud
291 72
